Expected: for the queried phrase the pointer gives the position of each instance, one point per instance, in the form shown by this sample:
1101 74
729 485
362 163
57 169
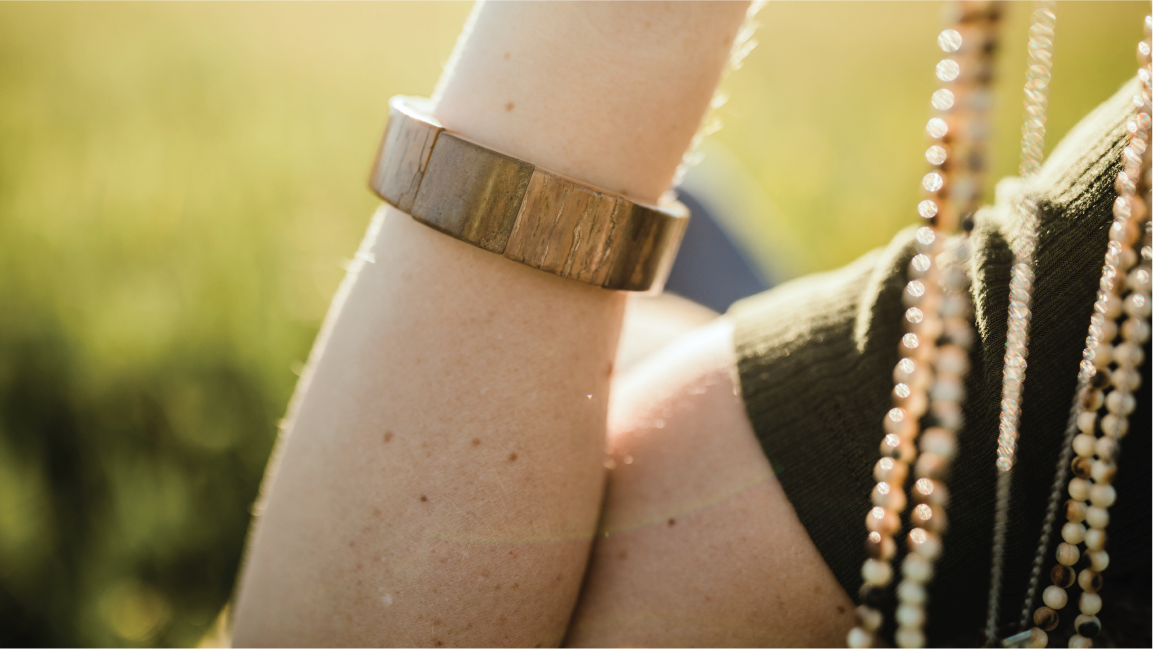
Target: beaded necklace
1109 374
930 377
938 334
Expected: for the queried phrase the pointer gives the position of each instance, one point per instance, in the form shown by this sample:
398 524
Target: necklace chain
1104 366
934 350
1037 79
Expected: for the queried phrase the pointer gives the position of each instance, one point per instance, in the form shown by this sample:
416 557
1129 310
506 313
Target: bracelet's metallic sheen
514 208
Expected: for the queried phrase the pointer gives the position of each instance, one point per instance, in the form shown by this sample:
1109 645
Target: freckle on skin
387 437
672 521
376 511
506 55
509 106
512 457
840 610
476 441
423 498
623 555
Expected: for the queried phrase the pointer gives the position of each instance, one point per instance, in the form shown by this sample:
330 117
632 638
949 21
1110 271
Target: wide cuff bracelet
528 214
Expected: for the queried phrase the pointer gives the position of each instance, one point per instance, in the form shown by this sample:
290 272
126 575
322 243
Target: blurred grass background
181 184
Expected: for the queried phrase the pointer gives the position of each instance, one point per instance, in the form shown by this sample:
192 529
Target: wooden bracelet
528 214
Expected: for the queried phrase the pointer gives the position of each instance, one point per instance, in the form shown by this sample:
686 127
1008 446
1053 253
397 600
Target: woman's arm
700 547
440 478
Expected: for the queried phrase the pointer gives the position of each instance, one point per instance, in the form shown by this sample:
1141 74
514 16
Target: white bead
917 568
1127 380
1090 603
939 441
952 359
1104 447
1104 356
1128 354
1038 639
859 638
1115 425
1095 539
1109 330
1138 306
948 413
1120 403
1102 495
1080 642
1075 510
1087 422
1083 444
1067 554
1112 306
907 637
1139 279
909 615
947 388
1102 472
926 544
1097 517
1079 489
900 423
1135 330
1073 533
1098 559
890 497
910 592
882 520
898 448
891 471
1055 597
869 619
877 573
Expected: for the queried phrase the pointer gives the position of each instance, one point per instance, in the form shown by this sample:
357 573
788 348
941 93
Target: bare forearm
440 480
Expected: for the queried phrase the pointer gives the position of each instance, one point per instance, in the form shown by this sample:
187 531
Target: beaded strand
1039 74
937 304
965 163
1124 289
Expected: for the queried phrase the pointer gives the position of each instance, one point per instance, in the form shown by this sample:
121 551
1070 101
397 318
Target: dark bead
1101 379
967 223
1089 628
872 596
1095 582
1062 576
1046 618
1082 467
1087 398
873 549
1071 510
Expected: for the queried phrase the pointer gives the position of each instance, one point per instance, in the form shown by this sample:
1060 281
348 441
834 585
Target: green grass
180 185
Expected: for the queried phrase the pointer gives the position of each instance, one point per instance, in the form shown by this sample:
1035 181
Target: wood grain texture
565 229
644 253
471 192
511 207
404 155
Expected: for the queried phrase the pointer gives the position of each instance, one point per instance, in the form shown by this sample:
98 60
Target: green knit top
815 358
